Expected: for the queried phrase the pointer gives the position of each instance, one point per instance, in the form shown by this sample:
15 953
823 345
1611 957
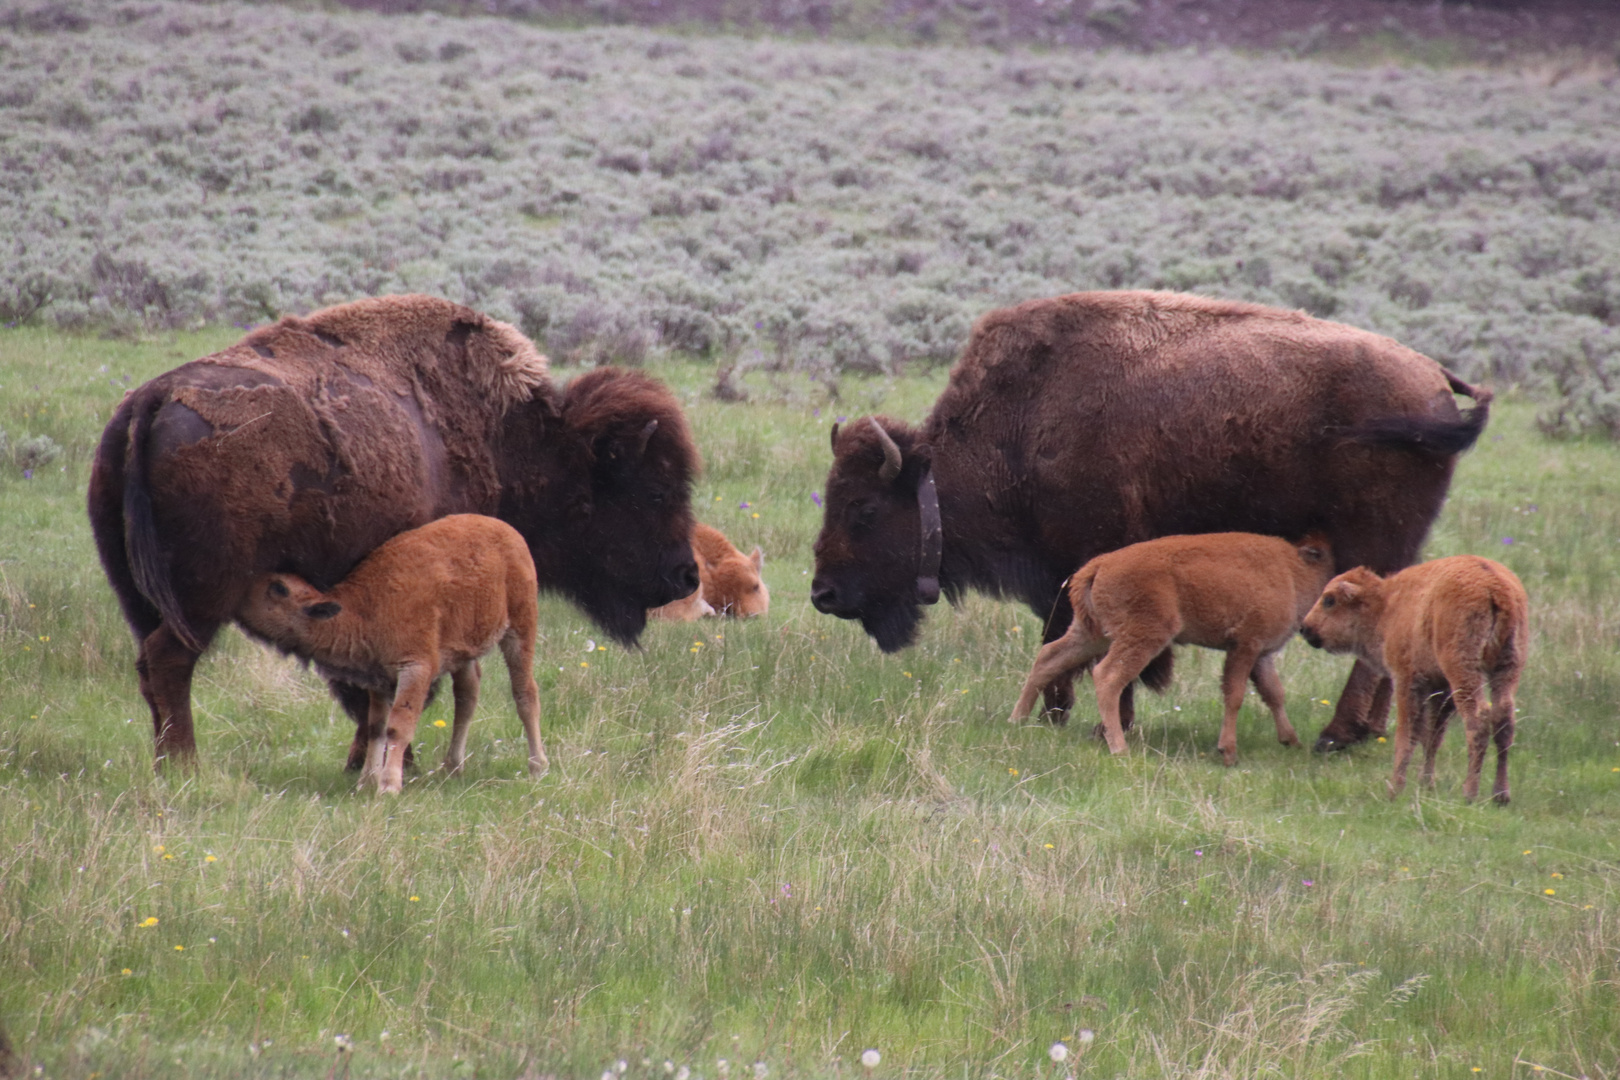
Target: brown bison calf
1238 592
730 582
428 602
1444 630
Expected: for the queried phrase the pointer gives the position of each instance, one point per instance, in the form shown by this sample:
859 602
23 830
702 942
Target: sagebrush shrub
819 206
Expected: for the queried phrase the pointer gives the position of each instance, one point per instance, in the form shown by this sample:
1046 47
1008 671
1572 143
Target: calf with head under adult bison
312 440
1076 425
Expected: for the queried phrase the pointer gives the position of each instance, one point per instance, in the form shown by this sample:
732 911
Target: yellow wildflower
150 920
438 723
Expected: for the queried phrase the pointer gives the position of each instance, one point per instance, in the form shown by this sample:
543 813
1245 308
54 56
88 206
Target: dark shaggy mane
619 403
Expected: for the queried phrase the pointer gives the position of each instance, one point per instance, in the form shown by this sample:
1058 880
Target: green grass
779 845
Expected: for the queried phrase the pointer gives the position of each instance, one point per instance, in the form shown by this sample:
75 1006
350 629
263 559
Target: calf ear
757 558
1312 554
326 609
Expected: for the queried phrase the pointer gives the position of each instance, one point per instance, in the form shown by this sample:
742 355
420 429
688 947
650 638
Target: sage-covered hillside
826 207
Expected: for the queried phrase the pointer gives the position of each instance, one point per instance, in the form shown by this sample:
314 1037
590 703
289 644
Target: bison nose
824 597
685 578
1311 637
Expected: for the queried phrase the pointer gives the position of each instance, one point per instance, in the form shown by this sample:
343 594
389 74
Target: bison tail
1441 438
148 563
1156 676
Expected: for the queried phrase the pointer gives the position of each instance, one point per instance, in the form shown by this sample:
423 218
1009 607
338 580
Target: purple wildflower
1507 539
815 497
744 505
28 474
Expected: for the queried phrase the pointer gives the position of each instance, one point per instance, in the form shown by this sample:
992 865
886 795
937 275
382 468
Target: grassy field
766 842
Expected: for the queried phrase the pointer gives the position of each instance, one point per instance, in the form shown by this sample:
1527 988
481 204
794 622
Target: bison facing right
1444 630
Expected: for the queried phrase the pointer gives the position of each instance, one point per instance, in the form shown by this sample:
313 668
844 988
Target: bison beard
1077 425
313 440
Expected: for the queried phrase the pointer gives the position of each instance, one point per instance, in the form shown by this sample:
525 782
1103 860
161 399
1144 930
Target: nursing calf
1238 592
1444 630
729 581
428 602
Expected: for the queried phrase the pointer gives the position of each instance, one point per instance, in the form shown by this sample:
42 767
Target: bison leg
1054 670
1270 688
165 666
464 684
526 695
1361 713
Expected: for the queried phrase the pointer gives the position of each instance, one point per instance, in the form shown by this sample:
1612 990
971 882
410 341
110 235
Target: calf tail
1157 675
1441 438
148 562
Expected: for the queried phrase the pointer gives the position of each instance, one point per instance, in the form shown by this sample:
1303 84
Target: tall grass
766 841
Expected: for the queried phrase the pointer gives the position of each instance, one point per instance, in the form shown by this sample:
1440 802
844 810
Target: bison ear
326 609
757 558
835 437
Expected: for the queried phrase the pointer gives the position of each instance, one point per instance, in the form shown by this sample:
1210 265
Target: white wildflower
870 1058
1058 1053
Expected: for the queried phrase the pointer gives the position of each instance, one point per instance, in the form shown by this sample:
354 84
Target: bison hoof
1332 744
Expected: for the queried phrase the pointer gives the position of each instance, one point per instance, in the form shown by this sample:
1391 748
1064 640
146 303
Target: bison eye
278 590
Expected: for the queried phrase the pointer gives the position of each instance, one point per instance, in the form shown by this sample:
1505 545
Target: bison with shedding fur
1076 425
313 440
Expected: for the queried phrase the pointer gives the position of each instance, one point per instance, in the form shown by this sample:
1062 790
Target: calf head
868 555
283 609
733 586
1345 617
599 484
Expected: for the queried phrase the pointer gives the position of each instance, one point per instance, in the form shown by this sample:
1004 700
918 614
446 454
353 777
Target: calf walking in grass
428 602
1238 592
1444 630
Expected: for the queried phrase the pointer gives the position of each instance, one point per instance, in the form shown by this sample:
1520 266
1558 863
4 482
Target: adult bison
313 440
1076 425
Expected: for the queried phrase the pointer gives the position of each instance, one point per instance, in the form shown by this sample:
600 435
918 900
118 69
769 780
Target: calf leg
519 653
1057 661
165 666
1503 687
464 683
1240 663
409 696
374 729
1467 692
1407 707
1437 710
1270 687
1126 658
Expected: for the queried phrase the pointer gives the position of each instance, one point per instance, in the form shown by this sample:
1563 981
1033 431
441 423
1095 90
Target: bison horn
835 437
891 453
646 435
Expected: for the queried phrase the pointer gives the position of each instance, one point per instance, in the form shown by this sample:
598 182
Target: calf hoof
1501 798
1228 757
